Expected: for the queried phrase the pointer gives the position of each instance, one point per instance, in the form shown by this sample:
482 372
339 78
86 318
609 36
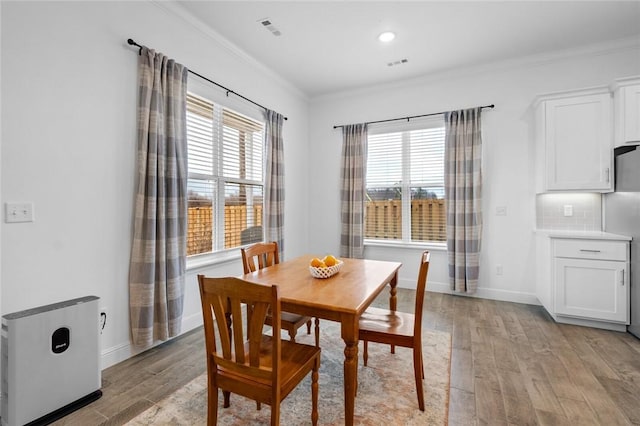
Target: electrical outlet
499 270
501 211
568 210
18 212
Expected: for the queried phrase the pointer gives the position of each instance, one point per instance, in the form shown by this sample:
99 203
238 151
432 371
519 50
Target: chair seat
386 323
295 361
288 318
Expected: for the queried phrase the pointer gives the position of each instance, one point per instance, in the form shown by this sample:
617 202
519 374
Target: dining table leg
350 337
393 292
393 299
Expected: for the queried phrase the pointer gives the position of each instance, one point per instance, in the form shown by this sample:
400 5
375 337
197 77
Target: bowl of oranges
326 267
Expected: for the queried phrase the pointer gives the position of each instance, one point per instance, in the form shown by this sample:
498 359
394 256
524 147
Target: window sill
200 261
405 245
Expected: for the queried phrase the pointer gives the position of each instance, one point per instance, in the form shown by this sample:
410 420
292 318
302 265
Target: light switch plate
18 212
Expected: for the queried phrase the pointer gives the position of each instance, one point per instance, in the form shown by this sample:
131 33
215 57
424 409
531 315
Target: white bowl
326 272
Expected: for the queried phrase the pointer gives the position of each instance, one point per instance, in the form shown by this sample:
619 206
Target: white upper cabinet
626 95
574 141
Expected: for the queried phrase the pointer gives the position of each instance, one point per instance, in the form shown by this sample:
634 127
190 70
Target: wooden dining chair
260 367
261 255
399 328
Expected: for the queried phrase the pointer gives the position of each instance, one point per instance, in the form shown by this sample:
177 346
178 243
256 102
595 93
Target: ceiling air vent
395 63
266 22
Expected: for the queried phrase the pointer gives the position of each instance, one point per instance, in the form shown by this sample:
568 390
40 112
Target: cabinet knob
590 251
607 172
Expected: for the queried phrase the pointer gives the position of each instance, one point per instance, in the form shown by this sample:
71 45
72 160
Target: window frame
405 185
211 94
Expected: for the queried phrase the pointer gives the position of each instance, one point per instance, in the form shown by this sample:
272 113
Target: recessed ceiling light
386 36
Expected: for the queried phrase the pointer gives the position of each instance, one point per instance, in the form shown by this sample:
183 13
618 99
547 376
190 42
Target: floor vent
50 361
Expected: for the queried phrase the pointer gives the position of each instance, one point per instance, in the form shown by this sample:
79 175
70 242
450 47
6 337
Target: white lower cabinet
584 281
594 289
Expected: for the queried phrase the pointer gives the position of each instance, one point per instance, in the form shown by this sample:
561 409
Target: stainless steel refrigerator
622 216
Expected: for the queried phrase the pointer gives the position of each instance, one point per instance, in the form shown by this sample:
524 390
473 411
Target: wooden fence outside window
383 220
200 226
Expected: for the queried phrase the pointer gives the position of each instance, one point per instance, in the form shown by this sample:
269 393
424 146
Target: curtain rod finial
133 43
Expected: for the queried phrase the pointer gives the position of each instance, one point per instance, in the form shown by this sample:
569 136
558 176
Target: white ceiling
330 46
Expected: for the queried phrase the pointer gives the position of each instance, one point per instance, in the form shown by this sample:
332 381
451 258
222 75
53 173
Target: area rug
386 390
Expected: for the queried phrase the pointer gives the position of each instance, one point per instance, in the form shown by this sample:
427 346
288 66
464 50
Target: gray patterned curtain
352 194
158 254
274 180
463 197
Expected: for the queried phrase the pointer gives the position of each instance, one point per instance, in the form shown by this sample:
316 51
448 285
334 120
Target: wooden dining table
342 298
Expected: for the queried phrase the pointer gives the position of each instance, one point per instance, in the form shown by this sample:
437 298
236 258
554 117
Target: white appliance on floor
50 361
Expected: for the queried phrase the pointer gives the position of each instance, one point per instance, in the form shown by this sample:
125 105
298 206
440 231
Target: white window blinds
225 177
405 184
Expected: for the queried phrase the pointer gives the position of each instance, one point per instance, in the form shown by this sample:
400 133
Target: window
226 182
405 183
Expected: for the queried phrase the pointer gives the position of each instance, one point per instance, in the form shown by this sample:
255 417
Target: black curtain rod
410 117
133 43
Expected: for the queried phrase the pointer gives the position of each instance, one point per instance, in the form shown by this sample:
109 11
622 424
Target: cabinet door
592 289
578 142
628 115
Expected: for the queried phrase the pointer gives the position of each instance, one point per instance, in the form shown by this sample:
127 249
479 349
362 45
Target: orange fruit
330 260
316 263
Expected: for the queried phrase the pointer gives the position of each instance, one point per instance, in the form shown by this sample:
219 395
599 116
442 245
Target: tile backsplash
587 211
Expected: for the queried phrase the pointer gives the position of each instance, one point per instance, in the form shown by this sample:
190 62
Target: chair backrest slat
238 336
258 315
259 255
421 288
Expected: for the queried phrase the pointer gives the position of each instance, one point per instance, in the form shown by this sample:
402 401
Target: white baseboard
604 325
191 322
482 293
116 354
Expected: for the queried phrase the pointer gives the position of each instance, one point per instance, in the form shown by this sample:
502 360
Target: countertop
588 235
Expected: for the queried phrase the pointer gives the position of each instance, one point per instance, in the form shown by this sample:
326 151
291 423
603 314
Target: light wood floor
511 365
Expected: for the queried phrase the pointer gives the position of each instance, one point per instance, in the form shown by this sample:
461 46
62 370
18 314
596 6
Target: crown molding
179 11
597 49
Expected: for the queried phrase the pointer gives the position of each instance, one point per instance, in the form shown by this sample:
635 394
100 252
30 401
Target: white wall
69 147
507 145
